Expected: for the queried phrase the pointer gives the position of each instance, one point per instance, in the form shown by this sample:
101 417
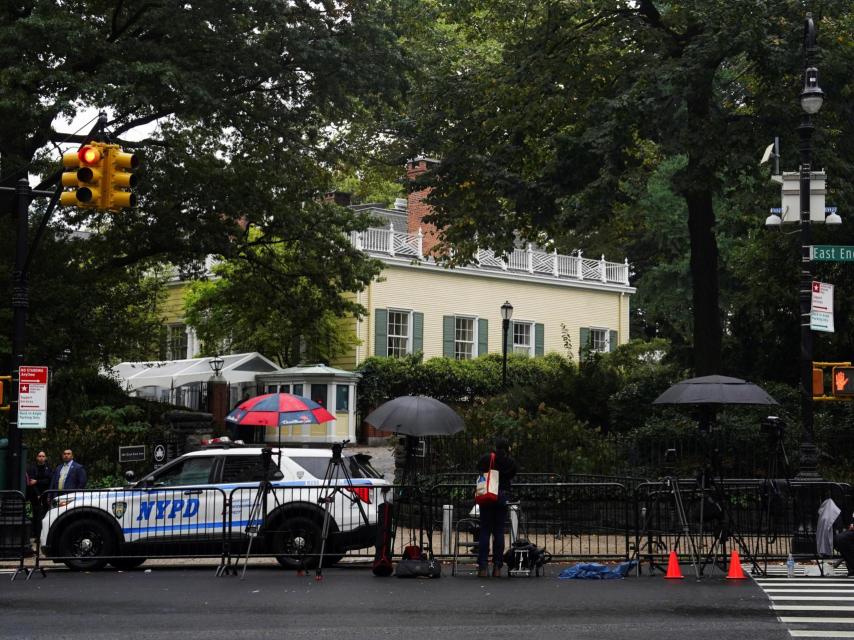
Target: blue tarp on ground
596 571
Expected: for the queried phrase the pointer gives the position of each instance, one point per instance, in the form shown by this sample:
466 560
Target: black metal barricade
287 522
763 520
569 520
14 530
123 527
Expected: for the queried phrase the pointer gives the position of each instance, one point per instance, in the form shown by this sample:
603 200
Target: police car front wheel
295 541
85 544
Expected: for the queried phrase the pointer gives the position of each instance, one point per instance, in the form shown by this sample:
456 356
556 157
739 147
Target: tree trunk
704 276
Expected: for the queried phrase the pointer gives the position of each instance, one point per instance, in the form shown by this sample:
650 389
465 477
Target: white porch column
530 257
419 243
580 265
603 269
555 270
390 239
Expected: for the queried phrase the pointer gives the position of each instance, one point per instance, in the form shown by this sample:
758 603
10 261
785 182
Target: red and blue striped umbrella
278 410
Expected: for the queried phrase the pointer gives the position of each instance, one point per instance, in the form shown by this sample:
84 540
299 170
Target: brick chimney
415 205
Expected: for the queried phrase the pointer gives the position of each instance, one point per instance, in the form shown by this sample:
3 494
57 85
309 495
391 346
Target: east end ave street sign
832 253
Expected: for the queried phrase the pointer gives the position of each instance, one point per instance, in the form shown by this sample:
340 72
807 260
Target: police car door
176 504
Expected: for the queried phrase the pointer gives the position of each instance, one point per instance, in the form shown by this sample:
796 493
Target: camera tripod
652 545
712 477
773 484
257 512
330 487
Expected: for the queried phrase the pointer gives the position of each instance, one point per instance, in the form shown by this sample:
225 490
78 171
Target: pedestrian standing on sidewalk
38 481
70 475
494 515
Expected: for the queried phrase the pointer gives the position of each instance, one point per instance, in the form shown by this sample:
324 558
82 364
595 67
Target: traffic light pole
20 303
24 195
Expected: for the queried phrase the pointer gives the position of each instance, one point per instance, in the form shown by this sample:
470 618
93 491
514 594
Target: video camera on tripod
773 427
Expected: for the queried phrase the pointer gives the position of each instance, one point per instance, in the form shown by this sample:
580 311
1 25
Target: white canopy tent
152 378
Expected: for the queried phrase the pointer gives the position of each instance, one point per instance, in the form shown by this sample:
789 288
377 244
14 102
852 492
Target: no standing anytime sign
32 398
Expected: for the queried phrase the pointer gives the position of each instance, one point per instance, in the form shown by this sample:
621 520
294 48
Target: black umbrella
416 416
708 390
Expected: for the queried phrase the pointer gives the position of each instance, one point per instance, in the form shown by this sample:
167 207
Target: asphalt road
190 603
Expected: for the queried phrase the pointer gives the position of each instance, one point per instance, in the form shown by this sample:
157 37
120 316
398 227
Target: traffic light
120 178
4 402
101 177
843 381
86 166
817 383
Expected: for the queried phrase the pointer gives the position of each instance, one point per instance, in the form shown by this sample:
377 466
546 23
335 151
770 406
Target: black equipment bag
382 565
411 566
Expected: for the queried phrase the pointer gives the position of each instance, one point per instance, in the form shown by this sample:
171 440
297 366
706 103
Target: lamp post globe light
506 315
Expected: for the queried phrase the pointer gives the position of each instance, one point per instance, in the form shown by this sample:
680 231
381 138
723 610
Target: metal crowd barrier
571 520
14 530
89 529
764 520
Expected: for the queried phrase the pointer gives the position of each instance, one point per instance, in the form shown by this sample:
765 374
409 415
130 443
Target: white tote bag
486 490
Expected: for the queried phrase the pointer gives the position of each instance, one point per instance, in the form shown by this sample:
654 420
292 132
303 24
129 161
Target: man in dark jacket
39 475
494 515
70 475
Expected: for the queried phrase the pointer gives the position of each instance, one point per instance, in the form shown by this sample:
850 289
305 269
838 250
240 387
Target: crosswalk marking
846 598
812 607
805 619
806 590
800 607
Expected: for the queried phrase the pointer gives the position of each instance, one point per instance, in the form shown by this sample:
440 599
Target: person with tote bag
492 504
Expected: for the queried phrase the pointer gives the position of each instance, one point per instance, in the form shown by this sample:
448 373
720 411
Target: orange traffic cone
673 570
735 571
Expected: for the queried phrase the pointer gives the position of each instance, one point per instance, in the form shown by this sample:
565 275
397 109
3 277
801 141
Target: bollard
447 528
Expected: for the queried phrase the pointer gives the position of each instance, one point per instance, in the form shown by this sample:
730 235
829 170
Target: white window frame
172 331
408 336
604 342
474 340
528 349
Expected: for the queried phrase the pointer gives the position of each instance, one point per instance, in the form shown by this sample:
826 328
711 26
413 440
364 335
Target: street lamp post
506 314
811 101
216 364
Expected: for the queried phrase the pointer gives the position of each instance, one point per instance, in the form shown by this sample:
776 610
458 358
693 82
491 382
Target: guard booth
334 389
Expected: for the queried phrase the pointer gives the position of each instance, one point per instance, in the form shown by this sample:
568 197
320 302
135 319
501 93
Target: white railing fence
400 243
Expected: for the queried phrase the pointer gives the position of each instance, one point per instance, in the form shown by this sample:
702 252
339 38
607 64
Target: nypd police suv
200 502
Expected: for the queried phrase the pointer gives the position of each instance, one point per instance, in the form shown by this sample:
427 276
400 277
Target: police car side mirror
130 476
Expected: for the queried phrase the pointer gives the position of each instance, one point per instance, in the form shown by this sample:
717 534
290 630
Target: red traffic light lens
89 155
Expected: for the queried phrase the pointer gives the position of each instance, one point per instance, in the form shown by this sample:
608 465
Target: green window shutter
612 340
539 340
417 332
482 336
448 336
380 332
583 343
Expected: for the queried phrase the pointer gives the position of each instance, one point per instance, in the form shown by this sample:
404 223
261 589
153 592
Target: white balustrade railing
399 243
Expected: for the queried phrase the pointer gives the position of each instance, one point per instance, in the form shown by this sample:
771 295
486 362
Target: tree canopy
561 120
254 104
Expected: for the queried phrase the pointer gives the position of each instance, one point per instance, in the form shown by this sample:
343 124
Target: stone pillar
218 401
